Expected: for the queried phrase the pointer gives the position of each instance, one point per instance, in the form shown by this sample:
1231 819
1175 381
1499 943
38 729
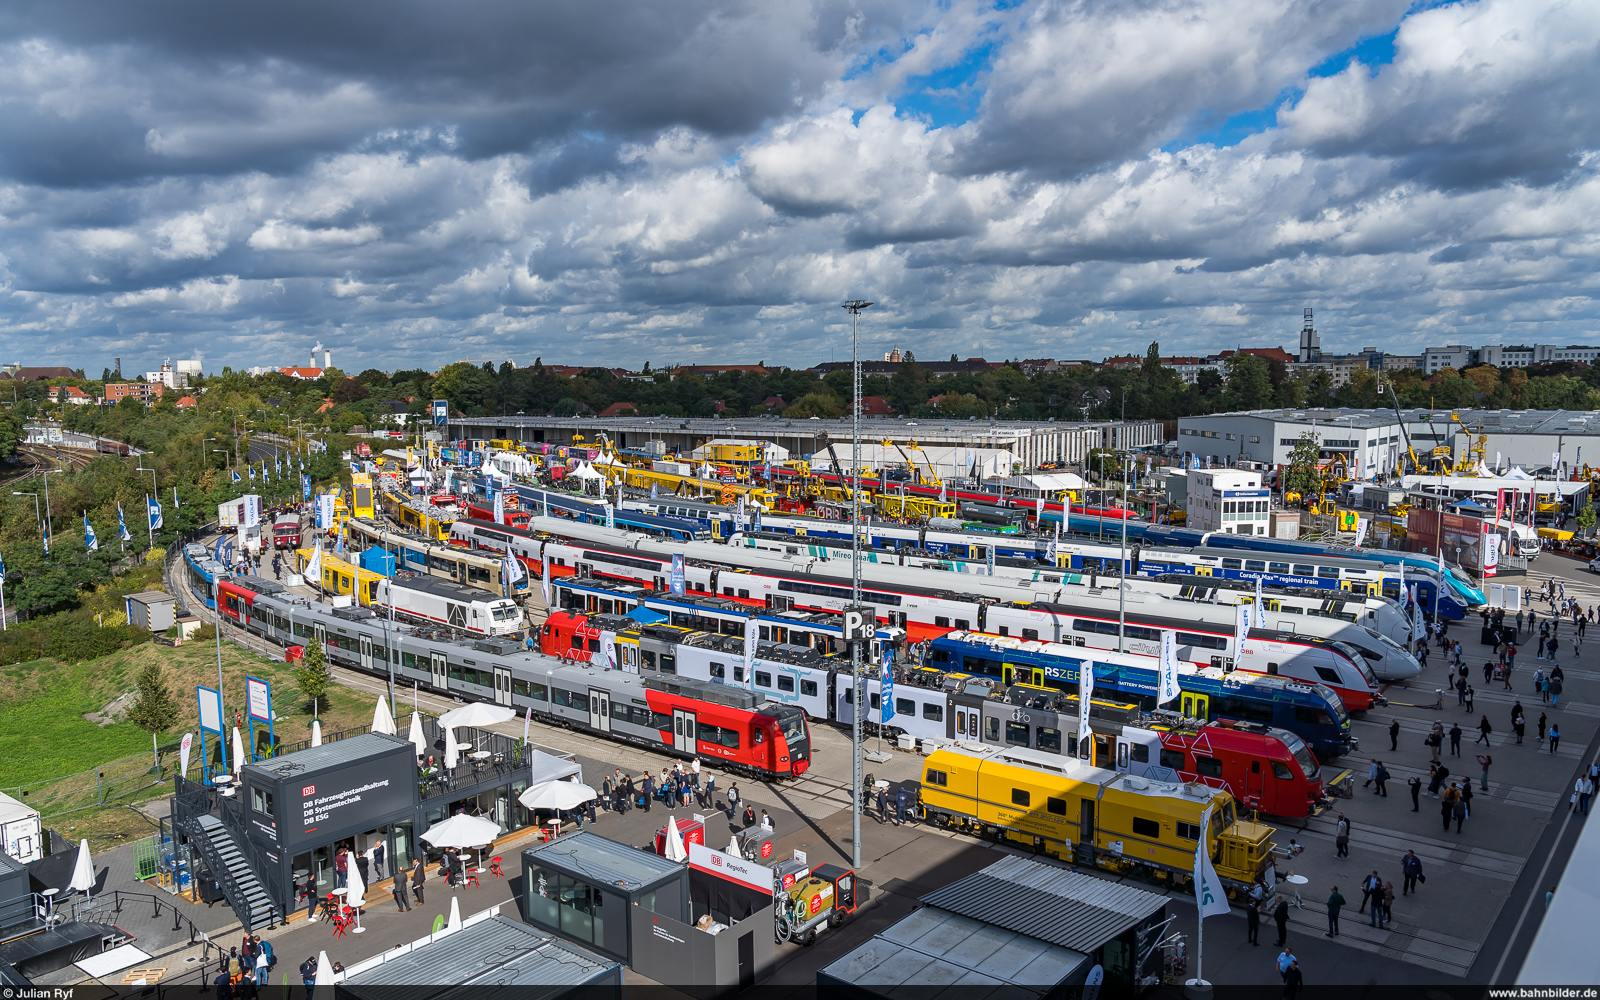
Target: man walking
1455 739
1286 956
1555 736
1411 868
1585 789
1370 886
1341 837
1335 904
1484 729
1394 735
1280 915
1382 780
1252 921
418 876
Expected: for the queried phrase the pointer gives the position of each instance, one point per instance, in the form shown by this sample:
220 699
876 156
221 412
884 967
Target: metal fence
114 783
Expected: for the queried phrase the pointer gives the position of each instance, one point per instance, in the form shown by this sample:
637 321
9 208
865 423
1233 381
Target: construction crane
1405 436
1477 445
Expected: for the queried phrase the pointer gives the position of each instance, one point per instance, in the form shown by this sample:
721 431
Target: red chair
494 868
472 879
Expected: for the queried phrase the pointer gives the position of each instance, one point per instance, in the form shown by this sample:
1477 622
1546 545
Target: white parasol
462 831
477 715
675 848
382 721
324 970
82 870
454 923
238 751
316 732
415 736
561 795
355 895
451 757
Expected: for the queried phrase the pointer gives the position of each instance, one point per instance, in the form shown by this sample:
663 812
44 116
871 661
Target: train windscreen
793 723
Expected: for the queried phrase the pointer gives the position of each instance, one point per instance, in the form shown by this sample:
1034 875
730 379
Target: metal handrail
231 889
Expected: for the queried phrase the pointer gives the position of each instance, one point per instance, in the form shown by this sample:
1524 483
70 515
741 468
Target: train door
1104 751
600 711
833 696
320 631
1086 824
1254 784
441 679
683 730
1195 706
364 646
502 686
1138 751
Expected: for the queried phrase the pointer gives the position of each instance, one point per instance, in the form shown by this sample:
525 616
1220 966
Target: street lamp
38 519
49 526
855 307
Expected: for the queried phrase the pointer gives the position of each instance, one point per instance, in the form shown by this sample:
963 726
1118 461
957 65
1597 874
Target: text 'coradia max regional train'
688 718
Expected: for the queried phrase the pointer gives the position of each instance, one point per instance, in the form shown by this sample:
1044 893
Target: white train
432 601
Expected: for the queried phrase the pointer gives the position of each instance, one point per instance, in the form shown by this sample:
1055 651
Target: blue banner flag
155 511
89 541
236 476
122 525
305 487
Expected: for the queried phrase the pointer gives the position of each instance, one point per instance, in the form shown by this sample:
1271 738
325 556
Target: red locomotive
1267 769
239 594
515 518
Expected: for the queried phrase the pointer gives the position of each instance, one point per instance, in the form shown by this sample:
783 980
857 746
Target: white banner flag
1209 895
1241 630
1085 693
1169 668
1361 531
751 634
544 577
183 754
1260 615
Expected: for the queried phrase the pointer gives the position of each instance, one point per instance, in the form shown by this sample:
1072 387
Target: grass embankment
46 743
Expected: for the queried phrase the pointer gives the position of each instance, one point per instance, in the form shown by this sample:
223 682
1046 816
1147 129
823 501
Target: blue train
1314 712
202 573
590 512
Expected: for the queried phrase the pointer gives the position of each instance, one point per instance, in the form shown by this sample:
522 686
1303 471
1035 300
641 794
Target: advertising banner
714 862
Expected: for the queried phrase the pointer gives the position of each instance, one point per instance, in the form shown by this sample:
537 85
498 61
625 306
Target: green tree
313 676
1302 476
156 711
816 404
10 433
1586 516
1249 383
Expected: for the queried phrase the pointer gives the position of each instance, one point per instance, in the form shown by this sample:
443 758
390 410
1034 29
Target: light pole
49 527
149 529
1122 584
855 306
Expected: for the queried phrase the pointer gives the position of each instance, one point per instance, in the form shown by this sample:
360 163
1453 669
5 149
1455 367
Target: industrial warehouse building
1032 443
1373 441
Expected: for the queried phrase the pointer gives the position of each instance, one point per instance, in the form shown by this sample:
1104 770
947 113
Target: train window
905 706
1030 633
1313 716
1207 767
765 634
649 659
787 684
1277 567
1300 569
408 659
1020 797
719 671
939 778
1328 675
1017 733
1255 767
933 713
594 645
1188 831
876 701
738 674
1173 760
938 656
1255 565
1231 563
727 591
939 621
744 594
455 671
1056 806
660 720
669 663
1049 739
963 624
1281 771
808 689
530 690
763 679
1005 630
1146 827
1328 572
991 730
730 738
1202 641
1140 752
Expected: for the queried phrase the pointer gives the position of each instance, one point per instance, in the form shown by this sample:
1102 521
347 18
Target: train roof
1074 769
448 589
1249 586
823 621
257 585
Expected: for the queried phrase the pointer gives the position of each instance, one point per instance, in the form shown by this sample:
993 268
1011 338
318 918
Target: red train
1266 769
239 593
110 447
515 518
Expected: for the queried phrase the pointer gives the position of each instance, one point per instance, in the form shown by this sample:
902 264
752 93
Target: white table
1297 881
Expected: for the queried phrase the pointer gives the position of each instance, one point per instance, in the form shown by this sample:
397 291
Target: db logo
716 859
309 791
766 850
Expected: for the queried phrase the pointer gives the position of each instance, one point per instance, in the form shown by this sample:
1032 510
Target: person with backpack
1382 777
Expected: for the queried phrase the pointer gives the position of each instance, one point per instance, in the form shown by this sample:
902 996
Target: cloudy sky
618 181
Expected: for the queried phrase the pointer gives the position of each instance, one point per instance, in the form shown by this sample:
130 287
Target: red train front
770 738
1266 769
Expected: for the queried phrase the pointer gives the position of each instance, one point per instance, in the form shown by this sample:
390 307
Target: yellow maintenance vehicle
811 902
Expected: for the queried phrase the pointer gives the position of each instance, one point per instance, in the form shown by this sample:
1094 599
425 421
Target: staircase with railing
250 900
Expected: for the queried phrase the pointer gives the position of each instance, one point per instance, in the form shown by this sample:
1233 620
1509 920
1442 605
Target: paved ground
1470 923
